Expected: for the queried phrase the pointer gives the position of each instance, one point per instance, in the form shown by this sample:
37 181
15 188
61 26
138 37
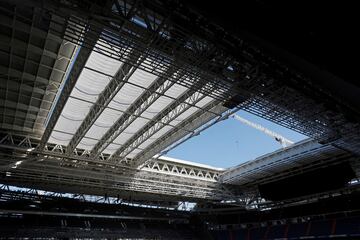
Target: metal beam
105 97
157 88
53 153
207 123
284 161
193 122
170 113
131 63
77 67
47 174
87 215
308 114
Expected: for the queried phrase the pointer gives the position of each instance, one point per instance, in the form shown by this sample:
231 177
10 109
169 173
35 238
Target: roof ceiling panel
133 153
204 101
103 63
86 91
131 130
89 85
142 78
176 90
125 97
132 90
111 148
60 138
87 143
103 123
156 107
184 115
154 137
72 115
92 81
96 131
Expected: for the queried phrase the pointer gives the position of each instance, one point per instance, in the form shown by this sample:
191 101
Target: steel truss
74 74
259 203
45 176
122 76
159 87
46 168
271 89
266 81
260 81
110 91
12 193
171 112
172 136
38 60
270 166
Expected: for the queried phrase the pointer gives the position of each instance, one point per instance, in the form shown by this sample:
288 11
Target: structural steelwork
93 94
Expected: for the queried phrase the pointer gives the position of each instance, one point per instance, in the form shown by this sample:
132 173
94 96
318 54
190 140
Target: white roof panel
156 135
125 97
89 86
204 101
72 115
175 91
111 148
60 138
142 78
87 143
156 107
103 63
131 130
133 153
107 118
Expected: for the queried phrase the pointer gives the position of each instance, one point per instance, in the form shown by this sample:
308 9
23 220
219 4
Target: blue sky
231 142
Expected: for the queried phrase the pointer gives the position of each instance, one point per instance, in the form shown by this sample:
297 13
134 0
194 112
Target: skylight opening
232 142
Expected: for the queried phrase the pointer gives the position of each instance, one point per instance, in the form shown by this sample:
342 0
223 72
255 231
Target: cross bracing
104 98
57 81
127 97
196 55
194 49
35 58
86 115
51 165
137 108
194 121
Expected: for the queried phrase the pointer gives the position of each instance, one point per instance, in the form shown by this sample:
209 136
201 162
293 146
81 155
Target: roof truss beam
193 122
157 89
170 113
105 97
74 74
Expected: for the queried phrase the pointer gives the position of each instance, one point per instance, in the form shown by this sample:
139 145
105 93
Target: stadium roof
141 110
91 91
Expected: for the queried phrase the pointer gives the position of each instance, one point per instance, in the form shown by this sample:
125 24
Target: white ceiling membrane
85 93
135 90
120 103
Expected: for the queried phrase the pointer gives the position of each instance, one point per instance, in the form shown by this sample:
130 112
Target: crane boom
282 140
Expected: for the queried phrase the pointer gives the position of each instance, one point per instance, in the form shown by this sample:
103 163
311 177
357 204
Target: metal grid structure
34 61
277 164
49 169
170 39
95 91
108 107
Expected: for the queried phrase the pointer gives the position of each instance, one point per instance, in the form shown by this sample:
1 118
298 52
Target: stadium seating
318 229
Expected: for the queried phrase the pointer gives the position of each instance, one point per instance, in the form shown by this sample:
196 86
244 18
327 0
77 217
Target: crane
282 140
